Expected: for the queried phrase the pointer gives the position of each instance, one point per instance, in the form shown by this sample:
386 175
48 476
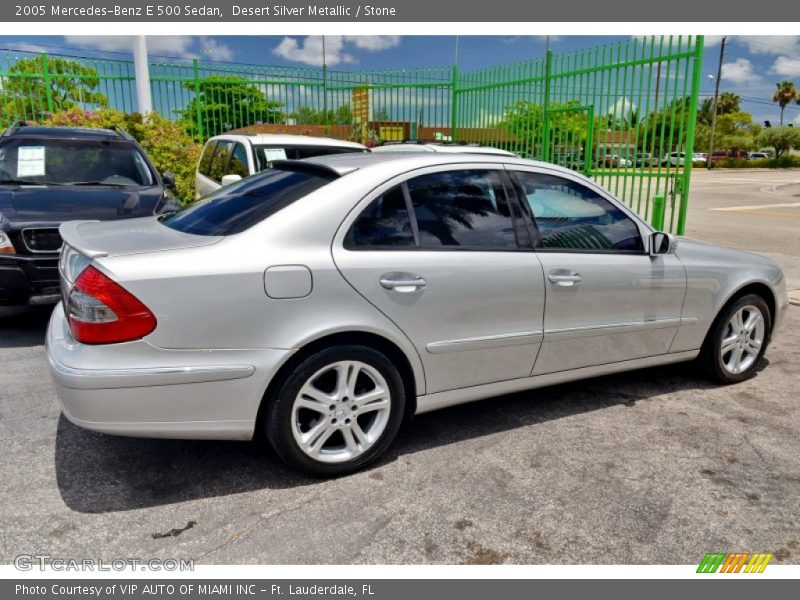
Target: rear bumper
28 279
136 389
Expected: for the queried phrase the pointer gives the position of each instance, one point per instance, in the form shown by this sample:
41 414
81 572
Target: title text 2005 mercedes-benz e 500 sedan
324 301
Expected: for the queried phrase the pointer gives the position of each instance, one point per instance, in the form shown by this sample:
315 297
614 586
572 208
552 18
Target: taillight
101 311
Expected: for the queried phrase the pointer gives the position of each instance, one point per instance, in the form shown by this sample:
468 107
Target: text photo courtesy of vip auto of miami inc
463 301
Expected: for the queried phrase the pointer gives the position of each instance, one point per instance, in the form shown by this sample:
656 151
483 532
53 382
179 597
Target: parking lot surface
655 466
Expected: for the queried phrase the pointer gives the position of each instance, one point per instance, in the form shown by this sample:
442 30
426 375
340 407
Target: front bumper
28 279
139 390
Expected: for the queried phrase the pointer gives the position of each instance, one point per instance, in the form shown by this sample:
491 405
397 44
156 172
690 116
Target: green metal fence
622 113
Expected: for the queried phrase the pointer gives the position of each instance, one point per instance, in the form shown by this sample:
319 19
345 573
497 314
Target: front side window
464 209
572 217
61 161
205 159
219 160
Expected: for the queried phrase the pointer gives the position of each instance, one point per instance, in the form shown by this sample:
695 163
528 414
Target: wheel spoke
728 344
310 392
752 320
380 404
315 437
342 378
736 360
311 405
359 433
737 321
375 394
350 440
754 345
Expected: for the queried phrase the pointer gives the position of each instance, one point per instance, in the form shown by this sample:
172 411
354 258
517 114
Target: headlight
72 263
6 247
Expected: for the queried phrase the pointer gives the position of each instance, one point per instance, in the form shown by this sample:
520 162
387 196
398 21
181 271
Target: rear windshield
237 207
266 154
72 162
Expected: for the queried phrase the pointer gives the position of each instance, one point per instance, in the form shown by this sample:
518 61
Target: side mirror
662 243
229 179
168 178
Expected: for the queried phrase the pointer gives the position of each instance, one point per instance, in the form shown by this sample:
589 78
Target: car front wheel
337 411
738 339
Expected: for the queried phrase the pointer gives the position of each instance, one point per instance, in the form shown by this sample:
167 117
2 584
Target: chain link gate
622 113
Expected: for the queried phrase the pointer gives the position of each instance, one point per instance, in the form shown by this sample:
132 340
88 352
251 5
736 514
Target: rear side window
385 222
266 154
205 158
466 209
237 207
219 160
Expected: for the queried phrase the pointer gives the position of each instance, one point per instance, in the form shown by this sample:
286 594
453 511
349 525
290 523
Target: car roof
391 163
443 148
288 139
88 133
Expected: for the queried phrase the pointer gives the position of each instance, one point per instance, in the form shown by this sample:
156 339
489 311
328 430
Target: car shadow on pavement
99 473
23 327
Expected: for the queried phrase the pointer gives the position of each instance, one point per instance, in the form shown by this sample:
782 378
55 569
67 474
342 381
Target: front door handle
564 278
402 282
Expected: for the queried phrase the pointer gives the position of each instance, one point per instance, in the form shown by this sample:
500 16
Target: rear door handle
564 278
402 282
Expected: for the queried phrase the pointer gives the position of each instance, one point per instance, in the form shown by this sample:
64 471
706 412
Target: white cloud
26 47
164 45
739 71
770 44
373 43
622 108
786 66
308 50
712 40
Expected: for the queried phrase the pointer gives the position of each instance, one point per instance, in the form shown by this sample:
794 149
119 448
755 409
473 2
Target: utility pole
141 69
716 99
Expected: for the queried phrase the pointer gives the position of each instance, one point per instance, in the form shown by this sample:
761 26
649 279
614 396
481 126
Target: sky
751 68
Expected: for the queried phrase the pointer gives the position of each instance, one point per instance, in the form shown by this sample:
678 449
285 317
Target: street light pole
141 70
716 99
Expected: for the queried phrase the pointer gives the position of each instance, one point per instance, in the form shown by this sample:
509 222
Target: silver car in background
323 302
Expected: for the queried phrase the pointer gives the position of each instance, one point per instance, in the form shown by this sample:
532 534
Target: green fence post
454 104
659 210
48 89
546 107
198 112
690 132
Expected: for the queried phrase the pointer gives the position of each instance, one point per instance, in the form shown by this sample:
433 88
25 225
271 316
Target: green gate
622 113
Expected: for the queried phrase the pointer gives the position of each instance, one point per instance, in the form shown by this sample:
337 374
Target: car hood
54 204
695 251
130 236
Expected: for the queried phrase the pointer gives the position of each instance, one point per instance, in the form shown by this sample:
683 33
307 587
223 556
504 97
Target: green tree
381 114
785 94
26 94
222 103
305 115
664 130
524 121
781 138
734 131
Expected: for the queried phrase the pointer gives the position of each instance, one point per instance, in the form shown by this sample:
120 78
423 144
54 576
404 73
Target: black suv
49 175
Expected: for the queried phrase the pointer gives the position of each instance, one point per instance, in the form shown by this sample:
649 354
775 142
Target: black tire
278 419
711 359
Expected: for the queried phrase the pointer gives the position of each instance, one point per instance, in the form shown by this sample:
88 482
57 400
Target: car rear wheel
738 339
337 411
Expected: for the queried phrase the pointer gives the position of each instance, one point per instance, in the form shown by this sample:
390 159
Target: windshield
69 162
237 207
266 154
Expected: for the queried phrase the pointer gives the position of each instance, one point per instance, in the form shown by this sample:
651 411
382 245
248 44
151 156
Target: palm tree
785 95
728 102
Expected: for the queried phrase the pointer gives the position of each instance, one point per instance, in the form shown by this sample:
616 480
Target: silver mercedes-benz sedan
325 301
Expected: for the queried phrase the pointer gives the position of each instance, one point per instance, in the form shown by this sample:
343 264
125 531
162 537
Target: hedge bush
167 144
784 162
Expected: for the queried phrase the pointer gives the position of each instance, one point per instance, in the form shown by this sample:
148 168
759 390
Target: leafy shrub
784 162
167 144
